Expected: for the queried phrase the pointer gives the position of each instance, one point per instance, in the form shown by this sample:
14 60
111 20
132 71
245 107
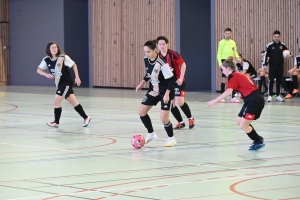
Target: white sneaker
269 99
52 124
86 122
150 137
278 98
234 100
222 101
170 142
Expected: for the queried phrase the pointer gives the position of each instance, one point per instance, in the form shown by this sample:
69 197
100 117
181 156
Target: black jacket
274 52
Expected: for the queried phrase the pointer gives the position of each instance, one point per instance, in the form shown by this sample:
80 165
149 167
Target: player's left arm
77 79
182 73
236 54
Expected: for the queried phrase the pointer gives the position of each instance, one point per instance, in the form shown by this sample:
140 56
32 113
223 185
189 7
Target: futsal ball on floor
286 53
137 141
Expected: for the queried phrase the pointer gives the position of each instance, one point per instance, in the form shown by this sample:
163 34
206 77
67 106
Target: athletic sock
295 81
260 85
176 114
253 135
57 114
186 109
169 129
147 123
222 87
80 111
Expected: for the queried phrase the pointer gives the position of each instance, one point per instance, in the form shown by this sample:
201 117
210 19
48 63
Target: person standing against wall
274 51
226 48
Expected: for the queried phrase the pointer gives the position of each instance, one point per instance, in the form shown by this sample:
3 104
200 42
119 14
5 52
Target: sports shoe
191 123
179 125
170 142
269 99
295 91
222 101
234 100
150 137
52 124
278 98
288 96
86 122
255 146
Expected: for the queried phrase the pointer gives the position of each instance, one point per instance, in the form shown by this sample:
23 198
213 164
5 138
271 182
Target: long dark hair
48 52
151 44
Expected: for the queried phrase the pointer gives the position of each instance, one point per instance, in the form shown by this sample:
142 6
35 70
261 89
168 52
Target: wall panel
253 23
120 28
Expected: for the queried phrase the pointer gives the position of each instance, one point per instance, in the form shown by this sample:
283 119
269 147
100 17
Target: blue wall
195 43
33 24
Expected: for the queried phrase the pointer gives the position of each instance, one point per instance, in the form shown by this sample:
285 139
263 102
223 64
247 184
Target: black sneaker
255 146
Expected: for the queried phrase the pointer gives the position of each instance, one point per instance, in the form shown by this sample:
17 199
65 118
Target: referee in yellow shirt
226 48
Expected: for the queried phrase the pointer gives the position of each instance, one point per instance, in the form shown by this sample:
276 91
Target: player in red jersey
178 67
253 101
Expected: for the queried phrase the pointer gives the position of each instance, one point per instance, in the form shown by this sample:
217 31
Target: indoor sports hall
103 44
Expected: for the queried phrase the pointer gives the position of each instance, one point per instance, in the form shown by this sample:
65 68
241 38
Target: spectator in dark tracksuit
274 51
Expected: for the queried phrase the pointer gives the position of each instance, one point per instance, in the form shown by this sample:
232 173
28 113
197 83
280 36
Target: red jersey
241 83
174 60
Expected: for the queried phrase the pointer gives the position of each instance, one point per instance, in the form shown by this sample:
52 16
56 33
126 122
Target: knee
243 127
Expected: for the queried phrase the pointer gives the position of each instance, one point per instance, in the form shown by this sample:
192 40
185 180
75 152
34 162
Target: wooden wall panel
4 42
253 23
120 28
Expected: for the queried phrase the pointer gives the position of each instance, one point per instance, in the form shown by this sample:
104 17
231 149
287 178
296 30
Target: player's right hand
138 88
50 76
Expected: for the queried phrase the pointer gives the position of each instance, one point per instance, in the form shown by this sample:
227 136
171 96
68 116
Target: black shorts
253 106
179 90
150 100
65 89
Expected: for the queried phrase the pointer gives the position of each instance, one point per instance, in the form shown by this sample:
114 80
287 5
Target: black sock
147 123
260 85
80 111
186 109
57 114
295 81
176 114
233 93
169 129
263 81
222 87
253 135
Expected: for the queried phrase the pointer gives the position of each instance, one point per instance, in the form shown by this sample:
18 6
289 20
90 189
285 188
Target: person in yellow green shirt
226 48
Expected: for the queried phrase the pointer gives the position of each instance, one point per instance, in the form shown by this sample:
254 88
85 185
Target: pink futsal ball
137 141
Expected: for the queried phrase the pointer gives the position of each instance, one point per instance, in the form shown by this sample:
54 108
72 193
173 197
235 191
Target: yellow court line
1 94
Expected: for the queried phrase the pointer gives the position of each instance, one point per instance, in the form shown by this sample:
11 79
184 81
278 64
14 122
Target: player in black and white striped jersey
161 89
57 62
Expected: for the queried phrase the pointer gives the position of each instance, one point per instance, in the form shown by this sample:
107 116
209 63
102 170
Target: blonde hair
230 62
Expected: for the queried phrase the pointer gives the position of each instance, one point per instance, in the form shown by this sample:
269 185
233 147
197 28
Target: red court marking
232 187
10 109
130 191
145 188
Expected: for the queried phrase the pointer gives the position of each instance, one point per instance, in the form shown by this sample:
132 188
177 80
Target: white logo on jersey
55 72
49 65
165 106
176 90
58 91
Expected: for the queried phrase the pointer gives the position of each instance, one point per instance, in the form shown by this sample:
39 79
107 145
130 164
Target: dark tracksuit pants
275 71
